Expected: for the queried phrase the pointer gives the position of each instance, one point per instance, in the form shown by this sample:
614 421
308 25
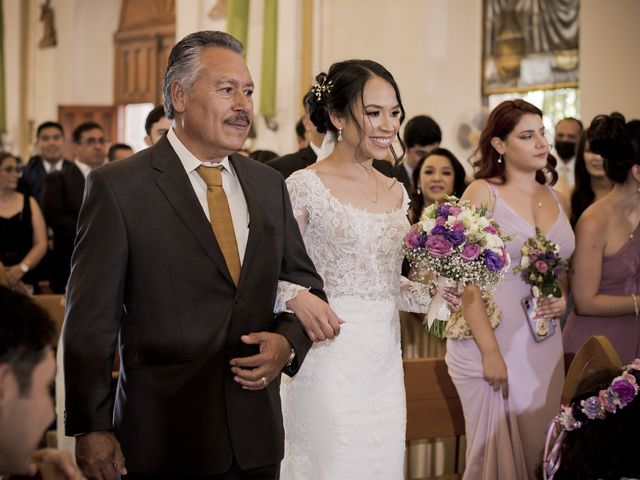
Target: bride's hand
317 317
453 297
551 307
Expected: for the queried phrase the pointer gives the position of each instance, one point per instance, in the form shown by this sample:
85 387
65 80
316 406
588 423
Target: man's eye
248 93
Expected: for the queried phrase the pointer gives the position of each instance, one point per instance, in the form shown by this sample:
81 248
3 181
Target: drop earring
339 135
500 159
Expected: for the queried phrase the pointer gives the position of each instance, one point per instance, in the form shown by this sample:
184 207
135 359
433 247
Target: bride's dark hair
343 87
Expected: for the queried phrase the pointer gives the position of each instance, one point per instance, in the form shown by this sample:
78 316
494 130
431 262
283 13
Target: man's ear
498 145
178 96
147 141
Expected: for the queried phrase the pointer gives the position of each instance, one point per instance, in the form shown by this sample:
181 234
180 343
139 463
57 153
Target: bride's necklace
373 200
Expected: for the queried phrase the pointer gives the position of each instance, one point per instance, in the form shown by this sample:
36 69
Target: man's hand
56 464
317 317
257 371
99 456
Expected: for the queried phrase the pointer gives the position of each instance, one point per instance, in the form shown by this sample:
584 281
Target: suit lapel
256 213
174 183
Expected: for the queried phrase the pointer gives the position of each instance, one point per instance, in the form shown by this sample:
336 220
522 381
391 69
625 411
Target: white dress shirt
48 167
84 168
230 185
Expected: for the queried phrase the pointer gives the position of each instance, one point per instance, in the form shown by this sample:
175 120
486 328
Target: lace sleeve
298 187
286 291
414 296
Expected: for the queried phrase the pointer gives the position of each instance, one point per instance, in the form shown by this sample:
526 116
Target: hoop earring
339 135
500 159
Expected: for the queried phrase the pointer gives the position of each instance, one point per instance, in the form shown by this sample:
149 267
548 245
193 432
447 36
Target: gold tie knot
212 176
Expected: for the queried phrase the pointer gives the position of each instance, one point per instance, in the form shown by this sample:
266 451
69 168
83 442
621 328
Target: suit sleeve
94 309
55 213
297 268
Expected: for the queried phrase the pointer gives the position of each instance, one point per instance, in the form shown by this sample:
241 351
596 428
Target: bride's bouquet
459 243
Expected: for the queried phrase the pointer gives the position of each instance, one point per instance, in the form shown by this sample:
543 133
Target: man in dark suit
49 142
189 303
421 135
62 198
287 164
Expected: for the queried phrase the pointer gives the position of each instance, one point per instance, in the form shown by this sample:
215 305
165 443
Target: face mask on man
566 150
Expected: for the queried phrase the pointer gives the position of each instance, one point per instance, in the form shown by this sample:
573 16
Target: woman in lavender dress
508 383
606 266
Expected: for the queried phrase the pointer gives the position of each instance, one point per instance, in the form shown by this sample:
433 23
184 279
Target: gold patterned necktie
221 218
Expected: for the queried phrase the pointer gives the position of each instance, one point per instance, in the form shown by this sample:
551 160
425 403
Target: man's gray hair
184 60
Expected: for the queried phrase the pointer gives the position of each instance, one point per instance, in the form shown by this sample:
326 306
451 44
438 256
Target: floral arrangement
620 393
459 243
541 266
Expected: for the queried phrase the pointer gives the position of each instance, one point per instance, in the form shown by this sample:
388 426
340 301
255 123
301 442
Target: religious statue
49 39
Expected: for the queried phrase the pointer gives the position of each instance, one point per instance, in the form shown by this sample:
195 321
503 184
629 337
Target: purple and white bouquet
462 245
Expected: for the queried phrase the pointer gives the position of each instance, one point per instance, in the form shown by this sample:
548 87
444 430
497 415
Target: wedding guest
345 414
27 369
119 151
605 443
437 174
509 384
606 265
421 135
23 233
591 181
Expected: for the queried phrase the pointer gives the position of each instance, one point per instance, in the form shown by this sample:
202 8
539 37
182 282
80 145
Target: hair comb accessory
322 88
621 392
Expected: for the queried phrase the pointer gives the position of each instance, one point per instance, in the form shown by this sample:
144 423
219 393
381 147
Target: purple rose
439 230
411 239
470 251
490 229
541 266
455 211
456 238
593 407
439 246
493 261
458 226
441 220
623 389
443 210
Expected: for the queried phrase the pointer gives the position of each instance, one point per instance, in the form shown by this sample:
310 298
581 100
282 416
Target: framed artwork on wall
529 45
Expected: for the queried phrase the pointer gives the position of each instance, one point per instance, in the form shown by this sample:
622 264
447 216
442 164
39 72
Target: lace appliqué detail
286 291
357 253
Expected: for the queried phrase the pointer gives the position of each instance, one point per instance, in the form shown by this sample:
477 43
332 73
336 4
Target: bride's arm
317 317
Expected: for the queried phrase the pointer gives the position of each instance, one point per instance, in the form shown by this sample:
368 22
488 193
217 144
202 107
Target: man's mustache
238 119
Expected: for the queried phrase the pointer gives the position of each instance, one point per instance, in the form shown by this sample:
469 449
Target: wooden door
70 116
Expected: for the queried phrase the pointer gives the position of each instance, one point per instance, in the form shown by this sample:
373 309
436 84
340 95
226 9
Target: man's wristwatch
24 268
291 358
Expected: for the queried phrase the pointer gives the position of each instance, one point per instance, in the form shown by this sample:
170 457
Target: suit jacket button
238 300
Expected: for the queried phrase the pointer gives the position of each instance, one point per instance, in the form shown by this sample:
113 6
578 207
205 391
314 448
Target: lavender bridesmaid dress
505 438
620 276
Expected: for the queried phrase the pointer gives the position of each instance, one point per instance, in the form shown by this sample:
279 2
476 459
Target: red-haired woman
509 383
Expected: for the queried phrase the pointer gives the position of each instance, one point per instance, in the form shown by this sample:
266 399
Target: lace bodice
357 253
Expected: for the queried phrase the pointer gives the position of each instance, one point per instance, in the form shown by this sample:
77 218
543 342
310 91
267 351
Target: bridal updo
618 143
341 88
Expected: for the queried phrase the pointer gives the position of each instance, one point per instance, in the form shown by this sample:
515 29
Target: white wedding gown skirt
345 411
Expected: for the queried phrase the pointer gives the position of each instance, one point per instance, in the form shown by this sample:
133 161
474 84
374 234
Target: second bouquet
460 244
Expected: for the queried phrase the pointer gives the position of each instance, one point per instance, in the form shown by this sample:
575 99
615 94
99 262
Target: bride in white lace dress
344 412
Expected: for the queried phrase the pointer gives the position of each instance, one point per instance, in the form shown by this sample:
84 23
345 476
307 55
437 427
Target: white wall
609 58
432 47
